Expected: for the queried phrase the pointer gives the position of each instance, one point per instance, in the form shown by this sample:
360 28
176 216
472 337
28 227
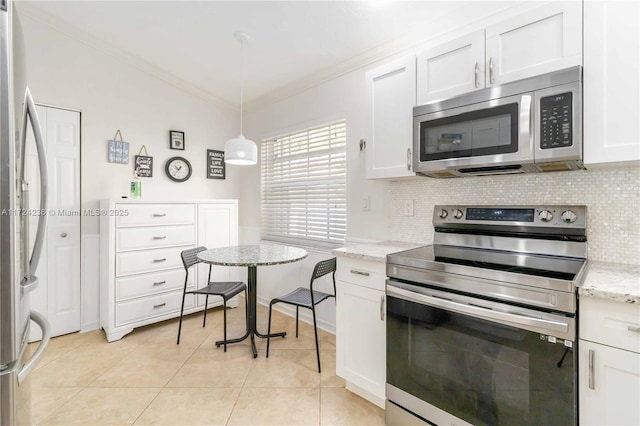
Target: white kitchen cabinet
141 271
611 82
217 227
391 96
542 40
451 68
361 327
538 41
609 362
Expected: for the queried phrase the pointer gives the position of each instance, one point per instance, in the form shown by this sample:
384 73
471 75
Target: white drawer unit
141 271
609 366
361 272
154 214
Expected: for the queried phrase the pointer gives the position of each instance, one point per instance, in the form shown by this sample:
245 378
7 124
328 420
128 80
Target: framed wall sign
176 139
144 165
118 150
215 164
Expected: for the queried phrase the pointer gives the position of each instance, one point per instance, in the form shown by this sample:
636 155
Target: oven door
453 359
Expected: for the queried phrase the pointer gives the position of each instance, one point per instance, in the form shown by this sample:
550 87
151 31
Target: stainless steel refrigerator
17 260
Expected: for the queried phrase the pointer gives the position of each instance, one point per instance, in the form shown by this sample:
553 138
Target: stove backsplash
611 196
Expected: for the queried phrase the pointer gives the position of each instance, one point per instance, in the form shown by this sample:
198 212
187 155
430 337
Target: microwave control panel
556 114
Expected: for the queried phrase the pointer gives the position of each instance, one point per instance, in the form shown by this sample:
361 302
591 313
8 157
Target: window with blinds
304 186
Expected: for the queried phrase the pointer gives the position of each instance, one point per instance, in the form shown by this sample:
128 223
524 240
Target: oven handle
477 311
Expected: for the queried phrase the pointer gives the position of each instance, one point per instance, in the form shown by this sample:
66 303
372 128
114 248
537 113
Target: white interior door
58 295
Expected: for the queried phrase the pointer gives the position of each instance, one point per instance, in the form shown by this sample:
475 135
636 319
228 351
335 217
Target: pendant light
240 150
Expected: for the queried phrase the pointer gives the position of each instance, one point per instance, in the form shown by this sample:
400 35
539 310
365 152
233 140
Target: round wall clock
178 169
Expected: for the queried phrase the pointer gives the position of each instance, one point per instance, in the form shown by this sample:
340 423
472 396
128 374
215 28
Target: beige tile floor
146 378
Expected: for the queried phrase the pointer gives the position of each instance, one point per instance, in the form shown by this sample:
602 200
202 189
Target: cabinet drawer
361 272
136 262
149 307
149 284
154 236
156 214
610 323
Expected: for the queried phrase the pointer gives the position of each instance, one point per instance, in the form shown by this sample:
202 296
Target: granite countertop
612 281
376 252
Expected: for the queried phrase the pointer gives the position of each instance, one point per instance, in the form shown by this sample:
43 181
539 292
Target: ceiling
293 44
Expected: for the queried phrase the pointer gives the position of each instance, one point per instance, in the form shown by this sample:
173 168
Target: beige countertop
612 281
376 252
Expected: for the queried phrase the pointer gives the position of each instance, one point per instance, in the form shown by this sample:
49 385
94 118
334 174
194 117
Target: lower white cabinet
361 327
609 362
609 385
141 271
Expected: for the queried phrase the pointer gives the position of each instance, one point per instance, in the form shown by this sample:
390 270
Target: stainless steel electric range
482 325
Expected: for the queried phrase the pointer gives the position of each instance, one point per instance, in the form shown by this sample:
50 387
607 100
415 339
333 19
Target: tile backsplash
612 198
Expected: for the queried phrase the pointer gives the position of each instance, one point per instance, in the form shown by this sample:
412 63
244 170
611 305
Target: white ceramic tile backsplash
611 196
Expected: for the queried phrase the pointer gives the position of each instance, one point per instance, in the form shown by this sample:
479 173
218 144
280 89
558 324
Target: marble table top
263 254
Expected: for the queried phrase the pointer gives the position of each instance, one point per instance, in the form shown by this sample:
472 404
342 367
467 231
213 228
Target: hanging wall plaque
118 150
144 163
215 164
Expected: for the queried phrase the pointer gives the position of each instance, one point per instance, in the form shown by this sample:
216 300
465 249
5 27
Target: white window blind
304 186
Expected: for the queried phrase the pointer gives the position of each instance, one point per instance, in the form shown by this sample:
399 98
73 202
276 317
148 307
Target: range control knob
568 216
442 214
457 213
545 215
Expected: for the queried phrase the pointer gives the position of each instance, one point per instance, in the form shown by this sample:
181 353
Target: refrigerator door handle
30 112
28 366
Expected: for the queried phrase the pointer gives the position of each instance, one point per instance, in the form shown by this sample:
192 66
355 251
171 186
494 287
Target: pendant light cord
241 80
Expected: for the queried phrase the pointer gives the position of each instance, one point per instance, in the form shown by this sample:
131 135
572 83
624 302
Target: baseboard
305 315
90 327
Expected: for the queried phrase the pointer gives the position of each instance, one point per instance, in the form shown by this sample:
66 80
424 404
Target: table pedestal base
251 315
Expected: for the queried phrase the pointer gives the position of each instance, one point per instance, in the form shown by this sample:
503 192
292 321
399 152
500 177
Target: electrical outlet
408 207
365 204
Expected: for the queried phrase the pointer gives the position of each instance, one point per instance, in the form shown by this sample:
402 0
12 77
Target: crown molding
26 9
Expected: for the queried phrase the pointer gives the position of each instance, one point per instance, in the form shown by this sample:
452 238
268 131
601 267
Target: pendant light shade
240 150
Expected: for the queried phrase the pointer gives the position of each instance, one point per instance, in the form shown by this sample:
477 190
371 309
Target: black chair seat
225 290
302 297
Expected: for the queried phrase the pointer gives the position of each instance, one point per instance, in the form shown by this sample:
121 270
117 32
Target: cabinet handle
491 78
159 306
159 283
634 328
160 238
382 308
159 214
592 384
408 158
160 260
477 74
353 271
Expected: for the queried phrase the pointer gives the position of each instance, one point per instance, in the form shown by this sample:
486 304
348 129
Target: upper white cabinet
542 40
611 82
452 68
391 92
538 41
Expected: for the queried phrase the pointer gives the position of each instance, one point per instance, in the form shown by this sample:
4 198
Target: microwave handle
524 126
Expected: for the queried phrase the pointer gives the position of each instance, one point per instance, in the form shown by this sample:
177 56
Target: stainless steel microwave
530 125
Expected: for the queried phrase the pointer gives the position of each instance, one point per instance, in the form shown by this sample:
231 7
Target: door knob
63 235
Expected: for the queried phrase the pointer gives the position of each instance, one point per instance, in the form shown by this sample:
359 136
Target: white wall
113 94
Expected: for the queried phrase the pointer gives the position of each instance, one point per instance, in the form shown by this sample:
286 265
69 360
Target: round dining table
252 256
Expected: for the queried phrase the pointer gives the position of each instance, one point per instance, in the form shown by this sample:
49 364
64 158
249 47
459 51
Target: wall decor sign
144 163
215 164
176 139
118 150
